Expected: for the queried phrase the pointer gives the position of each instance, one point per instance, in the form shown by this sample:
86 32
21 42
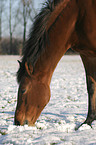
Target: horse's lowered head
33 95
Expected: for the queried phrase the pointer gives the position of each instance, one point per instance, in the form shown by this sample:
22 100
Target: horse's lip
26 122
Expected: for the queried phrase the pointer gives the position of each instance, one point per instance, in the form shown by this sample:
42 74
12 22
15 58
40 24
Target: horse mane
36 43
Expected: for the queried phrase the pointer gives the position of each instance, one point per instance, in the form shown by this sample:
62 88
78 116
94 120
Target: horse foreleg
90 69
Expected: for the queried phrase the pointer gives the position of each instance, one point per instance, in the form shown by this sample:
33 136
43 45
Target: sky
38 3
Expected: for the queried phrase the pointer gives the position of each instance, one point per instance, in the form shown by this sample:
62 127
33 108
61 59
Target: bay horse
60 25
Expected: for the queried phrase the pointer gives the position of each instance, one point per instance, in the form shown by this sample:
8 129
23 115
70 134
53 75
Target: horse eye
23 91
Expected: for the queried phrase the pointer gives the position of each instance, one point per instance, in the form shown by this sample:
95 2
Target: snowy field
67 107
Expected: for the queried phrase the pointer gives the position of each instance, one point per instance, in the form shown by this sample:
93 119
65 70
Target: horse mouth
27 118
26 122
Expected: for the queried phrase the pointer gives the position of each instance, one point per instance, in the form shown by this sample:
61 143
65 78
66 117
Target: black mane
35 44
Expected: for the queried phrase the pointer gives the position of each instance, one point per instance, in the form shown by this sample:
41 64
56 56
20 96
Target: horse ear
19 62
29 68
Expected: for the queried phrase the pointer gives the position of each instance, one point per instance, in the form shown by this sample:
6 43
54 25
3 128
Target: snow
66 110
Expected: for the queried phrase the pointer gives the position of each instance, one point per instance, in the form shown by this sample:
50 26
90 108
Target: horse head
33 95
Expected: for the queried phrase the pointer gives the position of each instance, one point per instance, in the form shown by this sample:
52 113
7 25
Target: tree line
16 17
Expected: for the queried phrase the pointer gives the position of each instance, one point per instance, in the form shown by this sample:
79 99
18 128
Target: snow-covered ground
67 107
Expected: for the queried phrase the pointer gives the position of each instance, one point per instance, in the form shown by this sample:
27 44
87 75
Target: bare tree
1 12
28 13
10 25
32 11
12 21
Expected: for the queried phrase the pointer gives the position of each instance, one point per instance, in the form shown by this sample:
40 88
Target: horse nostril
17 123
26 122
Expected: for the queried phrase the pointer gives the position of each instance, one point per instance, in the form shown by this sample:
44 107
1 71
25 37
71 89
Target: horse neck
59 34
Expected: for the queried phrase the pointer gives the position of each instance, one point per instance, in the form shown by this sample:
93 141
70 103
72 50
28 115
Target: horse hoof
85 127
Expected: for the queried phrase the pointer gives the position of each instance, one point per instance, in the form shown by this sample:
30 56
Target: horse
60 25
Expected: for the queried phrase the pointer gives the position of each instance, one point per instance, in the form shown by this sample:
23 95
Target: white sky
38 3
